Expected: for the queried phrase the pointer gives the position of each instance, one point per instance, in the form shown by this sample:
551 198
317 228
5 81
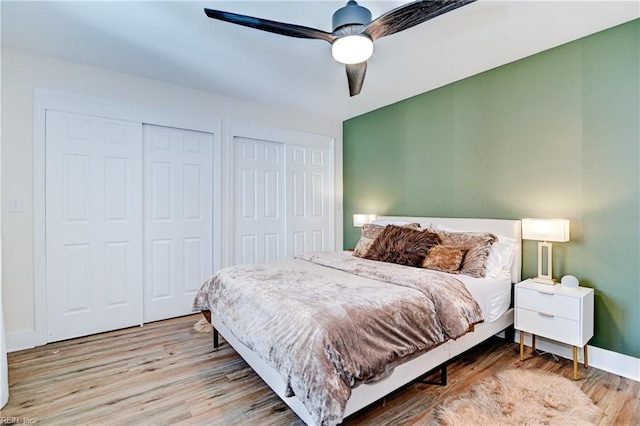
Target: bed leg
215 339
510 334
443 375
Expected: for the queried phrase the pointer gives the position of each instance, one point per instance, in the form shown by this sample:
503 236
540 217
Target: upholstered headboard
508 228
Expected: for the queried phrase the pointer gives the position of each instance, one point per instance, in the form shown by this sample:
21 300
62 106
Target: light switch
15 205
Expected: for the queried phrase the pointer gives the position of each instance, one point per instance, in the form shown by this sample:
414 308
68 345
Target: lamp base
543 280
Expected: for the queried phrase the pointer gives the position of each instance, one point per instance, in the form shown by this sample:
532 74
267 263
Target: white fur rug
519 397
203 326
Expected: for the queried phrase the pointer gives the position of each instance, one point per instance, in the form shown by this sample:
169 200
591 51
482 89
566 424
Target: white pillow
501 254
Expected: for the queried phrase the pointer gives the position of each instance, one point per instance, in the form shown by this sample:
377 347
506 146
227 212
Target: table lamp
545 231
362 219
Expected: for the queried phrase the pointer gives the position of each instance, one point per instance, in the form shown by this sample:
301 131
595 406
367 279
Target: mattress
492 294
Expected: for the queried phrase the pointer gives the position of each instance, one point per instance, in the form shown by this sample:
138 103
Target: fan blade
355 75
281 28
410 15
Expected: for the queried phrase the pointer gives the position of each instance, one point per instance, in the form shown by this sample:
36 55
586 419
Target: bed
233 306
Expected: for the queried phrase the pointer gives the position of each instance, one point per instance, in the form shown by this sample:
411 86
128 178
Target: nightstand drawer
550 303
552 327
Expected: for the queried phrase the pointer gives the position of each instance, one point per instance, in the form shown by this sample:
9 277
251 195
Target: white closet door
93 224
178 219
259 221
308 204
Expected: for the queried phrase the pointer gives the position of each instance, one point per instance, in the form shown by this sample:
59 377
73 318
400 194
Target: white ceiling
176 43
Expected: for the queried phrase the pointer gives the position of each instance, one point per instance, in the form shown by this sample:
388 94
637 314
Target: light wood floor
166 373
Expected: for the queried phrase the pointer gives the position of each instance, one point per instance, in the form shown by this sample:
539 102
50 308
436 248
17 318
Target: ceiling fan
353 30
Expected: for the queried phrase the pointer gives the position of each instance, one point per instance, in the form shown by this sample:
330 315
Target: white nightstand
555 312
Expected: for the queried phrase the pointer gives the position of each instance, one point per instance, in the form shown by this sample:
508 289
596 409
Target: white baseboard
19 340
603 359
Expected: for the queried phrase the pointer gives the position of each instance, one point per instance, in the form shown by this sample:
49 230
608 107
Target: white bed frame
366 394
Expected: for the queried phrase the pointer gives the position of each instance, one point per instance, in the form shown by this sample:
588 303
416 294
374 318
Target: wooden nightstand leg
533 342
586 357
522 346
575 363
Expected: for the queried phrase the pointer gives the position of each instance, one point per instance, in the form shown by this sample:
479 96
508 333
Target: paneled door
93 224
282 200
259 213
178 219
308 193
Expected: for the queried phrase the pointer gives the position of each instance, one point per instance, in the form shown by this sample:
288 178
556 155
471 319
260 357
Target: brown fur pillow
404 246
445 258
479 245
369 234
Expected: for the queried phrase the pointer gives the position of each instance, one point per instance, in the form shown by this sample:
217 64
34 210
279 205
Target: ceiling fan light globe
352 49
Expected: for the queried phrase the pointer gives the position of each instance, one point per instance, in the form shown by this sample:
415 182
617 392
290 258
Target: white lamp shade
362 219
554 230
352 49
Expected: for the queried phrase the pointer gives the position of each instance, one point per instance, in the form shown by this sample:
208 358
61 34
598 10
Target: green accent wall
556 134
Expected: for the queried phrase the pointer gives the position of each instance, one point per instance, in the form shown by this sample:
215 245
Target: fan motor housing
351 14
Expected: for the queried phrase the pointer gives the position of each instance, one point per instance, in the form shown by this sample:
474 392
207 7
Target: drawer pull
544 292
545 314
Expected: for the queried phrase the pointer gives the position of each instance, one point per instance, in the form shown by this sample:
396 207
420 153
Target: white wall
4 368
21 72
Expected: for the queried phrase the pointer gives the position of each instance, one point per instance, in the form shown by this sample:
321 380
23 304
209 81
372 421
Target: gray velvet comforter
330 321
